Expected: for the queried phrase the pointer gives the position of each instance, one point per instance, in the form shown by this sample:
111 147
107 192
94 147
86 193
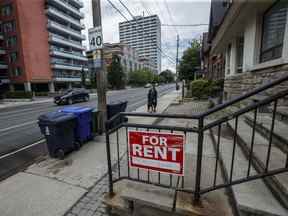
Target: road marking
17 126
22 149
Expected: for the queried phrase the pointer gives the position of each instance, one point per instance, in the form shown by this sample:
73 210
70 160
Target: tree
93 80
166 76
190 61
140 77
83 78
116 76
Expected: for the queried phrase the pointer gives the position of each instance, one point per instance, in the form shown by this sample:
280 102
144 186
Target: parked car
148 85
72 96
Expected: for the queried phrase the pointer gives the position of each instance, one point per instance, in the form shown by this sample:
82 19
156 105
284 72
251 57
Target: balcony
62 16
65 29
56 39
66 66
66 6
77 3
2 51
3 65
69 55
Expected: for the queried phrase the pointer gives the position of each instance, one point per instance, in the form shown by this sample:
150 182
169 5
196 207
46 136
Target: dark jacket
152 96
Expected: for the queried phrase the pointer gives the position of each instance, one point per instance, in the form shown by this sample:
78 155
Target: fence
193 183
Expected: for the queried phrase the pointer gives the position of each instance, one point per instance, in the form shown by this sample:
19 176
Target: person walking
152 99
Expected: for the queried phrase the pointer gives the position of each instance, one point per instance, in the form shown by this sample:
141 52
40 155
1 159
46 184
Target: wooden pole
101 75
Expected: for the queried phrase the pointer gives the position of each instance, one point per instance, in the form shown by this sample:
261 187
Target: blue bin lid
76 110
55 118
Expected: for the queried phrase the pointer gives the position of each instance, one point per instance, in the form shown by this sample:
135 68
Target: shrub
202 89
41 94
19 95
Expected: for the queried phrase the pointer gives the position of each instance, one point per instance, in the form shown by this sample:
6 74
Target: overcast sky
182 12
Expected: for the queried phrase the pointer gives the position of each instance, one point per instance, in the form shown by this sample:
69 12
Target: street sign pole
101 77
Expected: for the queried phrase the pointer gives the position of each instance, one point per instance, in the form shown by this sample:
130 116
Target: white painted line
17 126
22 149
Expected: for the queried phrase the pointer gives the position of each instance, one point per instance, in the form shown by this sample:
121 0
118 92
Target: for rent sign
163 152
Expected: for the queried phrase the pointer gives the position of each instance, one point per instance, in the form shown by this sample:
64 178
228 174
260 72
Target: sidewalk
6 104
52 187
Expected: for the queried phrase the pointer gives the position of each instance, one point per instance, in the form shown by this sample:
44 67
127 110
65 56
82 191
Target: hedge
19 95
202 89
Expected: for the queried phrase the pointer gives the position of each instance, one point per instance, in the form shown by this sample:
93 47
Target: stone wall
244 82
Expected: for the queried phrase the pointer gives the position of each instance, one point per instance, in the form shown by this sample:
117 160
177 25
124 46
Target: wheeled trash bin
83 130
95 121
58 129
115 108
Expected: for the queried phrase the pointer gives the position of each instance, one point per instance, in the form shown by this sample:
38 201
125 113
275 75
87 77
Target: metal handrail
199 130
245 96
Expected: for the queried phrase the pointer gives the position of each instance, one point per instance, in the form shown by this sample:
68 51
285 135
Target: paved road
18 125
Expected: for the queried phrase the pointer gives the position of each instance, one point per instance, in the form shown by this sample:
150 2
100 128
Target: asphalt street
19 128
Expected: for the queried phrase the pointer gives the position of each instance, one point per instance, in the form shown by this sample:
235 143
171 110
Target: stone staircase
267 196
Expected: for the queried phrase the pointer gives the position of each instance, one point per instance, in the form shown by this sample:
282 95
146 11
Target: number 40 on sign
95 38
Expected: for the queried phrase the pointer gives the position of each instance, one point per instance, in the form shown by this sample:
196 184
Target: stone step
253 197
281 113
149 200
263 126
278 184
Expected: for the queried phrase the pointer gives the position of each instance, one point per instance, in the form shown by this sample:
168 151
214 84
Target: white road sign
95 38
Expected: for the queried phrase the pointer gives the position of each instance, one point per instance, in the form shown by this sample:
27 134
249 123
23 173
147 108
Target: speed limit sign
95 38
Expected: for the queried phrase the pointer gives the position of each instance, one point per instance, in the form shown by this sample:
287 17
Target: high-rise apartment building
42 44
144 35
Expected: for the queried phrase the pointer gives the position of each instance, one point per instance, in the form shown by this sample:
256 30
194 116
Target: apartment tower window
274 23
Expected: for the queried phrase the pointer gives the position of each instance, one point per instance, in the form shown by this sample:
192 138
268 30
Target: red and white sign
163 152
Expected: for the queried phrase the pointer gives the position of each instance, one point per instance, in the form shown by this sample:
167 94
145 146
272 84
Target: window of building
240 50
16 71
274 22
11 42
6 10
13 57
228 58
9 26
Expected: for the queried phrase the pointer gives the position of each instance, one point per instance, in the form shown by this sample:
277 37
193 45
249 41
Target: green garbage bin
95 121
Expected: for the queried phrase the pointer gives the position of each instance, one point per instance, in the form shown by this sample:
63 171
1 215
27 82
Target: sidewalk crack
55 179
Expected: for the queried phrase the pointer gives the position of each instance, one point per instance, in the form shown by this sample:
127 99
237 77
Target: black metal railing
203 124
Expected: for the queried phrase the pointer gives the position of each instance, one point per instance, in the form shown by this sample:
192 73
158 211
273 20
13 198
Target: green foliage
41 94
190 61
116 75
166 76
83 78
202 89
19 95
141 77
93 81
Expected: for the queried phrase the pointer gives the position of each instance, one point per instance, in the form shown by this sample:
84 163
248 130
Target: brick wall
244 82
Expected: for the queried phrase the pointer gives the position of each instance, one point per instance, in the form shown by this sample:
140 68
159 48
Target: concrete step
253 197
263 127
281 113
278 184
150 200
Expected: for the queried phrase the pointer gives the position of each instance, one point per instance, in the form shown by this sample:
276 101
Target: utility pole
177 59
101 76
177 63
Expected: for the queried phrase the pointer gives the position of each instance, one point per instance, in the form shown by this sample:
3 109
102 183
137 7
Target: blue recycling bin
83 130
58 129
